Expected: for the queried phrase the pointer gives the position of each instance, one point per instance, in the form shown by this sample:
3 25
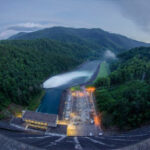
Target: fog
109 54
60 80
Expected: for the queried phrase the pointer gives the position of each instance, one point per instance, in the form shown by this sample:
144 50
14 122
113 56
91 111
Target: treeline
24 65
96 39
124 96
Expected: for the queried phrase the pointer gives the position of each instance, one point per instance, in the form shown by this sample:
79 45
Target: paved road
79 143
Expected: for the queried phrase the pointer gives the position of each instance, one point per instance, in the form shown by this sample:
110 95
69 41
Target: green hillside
95 39
124 96
25 65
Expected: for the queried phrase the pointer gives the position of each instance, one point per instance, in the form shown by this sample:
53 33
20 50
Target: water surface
55 85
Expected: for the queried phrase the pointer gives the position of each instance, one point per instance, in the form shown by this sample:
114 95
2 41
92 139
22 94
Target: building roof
50 119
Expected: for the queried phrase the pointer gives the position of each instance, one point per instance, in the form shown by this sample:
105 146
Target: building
39 120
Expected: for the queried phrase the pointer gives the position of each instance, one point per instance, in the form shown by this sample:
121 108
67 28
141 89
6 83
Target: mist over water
60 80
55 85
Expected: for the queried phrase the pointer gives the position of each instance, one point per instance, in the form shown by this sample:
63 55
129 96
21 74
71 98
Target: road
103 142
79 113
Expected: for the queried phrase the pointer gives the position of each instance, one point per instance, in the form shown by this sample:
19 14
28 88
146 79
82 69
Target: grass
35 102
103 70
75 88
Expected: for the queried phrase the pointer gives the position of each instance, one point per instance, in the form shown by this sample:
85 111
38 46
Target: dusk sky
126 17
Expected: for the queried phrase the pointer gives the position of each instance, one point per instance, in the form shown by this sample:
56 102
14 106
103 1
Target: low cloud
109 54
25 27
7 33
22 27
29 26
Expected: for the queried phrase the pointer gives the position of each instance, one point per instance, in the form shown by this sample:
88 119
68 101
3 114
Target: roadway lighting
18 115
100 134
91 133
71 130
96 120
90 89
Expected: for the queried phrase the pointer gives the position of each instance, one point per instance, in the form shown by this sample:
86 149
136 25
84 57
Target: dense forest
25 65
124 96
96 39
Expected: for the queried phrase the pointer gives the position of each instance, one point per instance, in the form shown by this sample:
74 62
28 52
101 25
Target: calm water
54 86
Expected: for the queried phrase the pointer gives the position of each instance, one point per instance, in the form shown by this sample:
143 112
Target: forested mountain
96 39
124 96
24 65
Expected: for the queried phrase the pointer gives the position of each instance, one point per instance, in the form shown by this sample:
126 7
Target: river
55 85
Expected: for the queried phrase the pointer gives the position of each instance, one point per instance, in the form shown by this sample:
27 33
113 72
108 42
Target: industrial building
39 120
76 116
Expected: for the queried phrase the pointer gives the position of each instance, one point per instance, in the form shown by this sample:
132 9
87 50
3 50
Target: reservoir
55 85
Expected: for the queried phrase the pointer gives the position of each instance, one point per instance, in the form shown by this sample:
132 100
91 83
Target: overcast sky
127 17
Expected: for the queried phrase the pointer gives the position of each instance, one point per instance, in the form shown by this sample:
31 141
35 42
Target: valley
87 90
74 75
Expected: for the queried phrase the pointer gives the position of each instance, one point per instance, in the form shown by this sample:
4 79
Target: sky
127 17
